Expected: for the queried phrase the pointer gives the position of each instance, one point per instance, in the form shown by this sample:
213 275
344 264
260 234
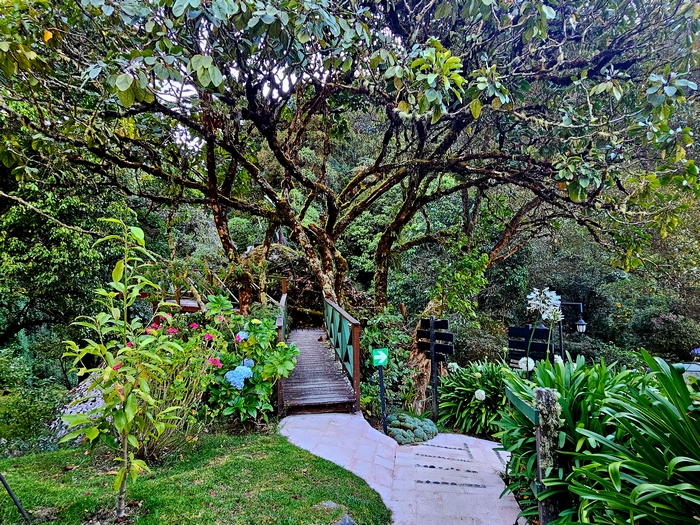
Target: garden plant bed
255 478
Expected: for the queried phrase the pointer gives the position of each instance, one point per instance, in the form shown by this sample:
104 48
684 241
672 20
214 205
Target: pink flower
208 337
194 326
155 325
129 344
213 494
217 363
118 366
238 338
220 318
171 331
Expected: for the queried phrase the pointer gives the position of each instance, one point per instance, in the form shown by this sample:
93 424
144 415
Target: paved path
451 479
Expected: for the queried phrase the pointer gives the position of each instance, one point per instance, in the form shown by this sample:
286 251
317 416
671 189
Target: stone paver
448 480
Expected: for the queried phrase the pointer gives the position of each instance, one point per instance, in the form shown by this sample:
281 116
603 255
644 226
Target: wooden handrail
340 344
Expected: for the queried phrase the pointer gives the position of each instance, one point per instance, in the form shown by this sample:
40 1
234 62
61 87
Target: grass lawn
249 479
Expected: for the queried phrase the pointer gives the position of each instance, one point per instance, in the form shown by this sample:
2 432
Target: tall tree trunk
386 241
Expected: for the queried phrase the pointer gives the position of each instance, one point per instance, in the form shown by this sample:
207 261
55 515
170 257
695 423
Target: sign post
380 357
436 345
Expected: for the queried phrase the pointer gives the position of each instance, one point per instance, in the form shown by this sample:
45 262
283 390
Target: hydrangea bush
472 396
251 365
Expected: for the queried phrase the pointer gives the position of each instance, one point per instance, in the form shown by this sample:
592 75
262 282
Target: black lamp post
580 325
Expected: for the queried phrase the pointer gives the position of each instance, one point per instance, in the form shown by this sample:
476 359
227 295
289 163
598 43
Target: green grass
255 479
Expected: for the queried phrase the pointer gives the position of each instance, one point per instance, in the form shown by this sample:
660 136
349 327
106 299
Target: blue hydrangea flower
241 336
238 376
249 363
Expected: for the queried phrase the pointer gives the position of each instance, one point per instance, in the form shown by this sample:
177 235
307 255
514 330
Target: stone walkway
448 480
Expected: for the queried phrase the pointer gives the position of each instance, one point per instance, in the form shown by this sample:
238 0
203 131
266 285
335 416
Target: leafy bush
478 340
406 429
15 370
472 397
595 350
674 335
249 369
647 470
386 330
582 392
28 408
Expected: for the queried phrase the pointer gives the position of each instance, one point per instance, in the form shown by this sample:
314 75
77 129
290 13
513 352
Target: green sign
380 356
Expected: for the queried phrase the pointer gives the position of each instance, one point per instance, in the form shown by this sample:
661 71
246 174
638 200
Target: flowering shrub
472 396
146 377
249 367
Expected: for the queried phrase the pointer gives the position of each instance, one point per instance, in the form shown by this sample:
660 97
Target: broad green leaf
131 407
124 81
475 107
126 97
118 271
138 234
549 12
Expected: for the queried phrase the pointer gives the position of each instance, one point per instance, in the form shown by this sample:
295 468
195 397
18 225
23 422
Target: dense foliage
472 397
626 448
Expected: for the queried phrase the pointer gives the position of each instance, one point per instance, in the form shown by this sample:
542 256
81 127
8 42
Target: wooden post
433 368
549 412
356 363
284 286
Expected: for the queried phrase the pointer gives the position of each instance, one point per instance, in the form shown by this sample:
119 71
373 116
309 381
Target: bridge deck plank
317 382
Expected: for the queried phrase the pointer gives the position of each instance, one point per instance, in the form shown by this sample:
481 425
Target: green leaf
549 12
119 478
118 271
475 107
131 407
133 441
346 64
179 7
124 81
126 97
215 76
137 234
92 433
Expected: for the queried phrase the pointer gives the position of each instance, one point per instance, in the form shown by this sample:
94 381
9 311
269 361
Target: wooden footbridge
327 374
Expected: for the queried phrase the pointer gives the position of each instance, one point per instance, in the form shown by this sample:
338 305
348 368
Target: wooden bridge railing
344 334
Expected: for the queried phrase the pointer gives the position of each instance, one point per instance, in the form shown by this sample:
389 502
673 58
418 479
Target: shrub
595 350
387 330
647 471
472 397
249 369
477 340
15 370
582 392
674 336
29 407
406 429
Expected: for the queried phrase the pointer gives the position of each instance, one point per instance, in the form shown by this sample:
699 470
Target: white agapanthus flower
558 360
527 364
478 375
453 367
480 395
546 302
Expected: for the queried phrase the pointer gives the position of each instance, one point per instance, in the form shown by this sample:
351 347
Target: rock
329 505
345 520
91 399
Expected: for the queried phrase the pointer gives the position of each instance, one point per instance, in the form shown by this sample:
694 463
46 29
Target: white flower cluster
546 302
558 360
453 367
526 364
480 395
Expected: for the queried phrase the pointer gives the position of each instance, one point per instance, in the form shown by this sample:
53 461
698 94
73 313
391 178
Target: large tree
571 109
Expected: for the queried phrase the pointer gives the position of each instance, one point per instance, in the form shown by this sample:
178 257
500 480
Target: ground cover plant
406 428
240 480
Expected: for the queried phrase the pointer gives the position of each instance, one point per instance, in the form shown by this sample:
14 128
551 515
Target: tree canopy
310 114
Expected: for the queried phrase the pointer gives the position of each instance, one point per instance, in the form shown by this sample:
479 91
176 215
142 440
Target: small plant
132 363
472 397
406 429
